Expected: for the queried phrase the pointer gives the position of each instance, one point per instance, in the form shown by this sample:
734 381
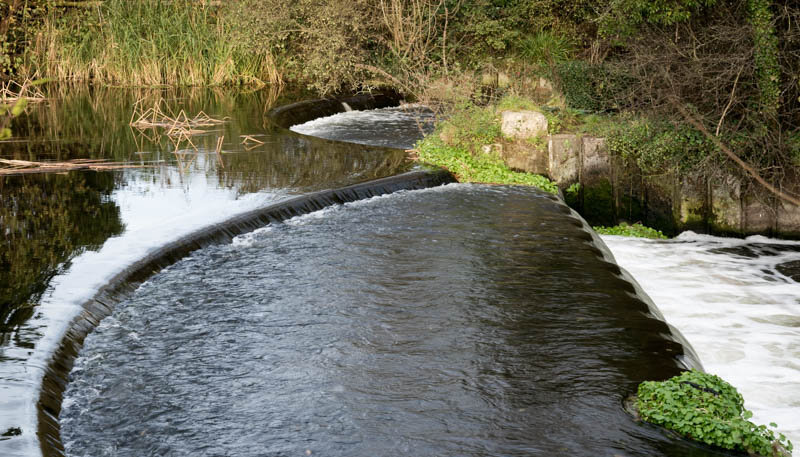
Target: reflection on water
63 235
462 320
46 220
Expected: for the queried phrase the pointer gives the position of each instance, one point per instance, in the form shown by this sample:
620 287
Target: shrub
545 48
590 87
636 230
705 408
658 146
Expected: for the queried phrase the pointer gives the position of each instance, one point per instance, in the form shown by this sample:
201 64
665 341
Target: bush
656 147
705 408
590 87
636 230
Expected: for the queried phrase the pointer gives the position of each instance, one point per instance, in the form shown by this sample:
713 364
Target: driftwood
18 167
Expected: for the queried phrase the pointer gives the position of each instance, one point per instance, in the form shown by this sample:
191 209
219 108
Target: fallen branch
719 144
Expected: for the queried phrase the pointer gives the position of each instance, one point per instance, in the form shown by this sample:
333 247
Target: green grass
636 230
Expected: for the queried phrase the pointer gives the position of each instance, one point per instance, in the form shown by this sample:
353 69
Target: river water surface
460 320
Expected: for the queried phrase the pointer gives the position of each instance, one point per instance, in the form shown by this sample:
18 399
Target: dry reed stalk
246 142
16 167
12 91
248 139
156 117
218 151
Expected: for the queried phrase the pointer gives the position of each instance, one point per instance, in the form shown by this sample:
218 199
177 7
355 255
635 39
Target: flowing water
738 304
401 127
461 320
65 235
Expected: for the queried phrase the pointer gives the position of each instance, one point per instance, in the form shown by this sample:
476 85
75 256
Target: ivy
765 42
705 408
656 147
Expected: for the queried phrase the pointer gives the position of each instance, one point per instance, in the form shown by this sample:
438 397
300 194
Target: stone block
525 157
523 124
564 154
596 161
759 216
726 207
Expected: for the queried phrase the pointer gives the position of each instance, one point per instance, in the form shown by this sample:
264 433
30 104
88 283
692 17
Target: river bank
605 170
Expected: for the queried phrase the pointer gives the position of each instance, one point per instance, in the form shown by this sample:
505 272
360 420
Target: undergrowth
636 230
458 145
705 408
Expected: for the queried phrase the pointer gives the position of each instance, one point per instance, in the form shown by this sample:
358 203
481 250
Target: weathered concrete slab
759 214
596 160
524 156
726 205
523 124
564 152
612 190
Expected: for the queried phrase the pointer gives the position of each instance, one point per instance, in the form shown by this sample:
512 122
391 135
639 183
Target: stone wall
611 191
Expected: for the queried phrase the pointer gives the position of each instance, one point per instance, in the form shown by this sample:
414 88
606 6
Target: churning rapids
460 320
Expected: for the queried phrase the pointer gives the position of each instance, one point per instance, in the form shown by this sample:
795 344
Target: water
400 127
348 331
738 303
463 320
65 235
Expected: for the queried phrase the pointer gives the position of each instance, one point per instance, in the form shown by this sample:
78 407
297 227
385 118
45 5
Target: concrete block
596 161
564 153
525 157
523 124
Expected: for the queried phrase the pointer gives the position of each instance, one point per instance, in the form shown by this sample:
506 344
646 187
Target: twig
730 102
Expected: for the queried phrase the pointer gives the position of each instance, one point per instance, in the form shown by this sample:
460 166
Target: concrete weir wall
612 191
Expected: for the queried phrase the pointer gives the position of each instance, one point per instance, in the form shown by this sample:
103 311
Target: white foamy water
739 313
391 127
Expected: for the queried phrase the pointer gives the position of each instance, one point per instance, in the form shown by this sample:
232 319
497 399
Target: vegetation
705 408
636 230
692 74
460 145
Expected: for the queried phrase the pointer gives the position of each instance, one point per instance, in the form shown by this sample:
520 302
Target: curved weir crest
664 345
459 320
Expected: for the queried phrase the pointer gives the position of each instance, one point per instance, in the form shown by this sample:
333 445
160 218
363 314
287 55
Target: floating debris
18 167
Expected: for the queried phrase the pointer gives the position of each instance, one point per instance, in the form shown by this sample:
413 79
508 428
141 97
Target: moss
597 205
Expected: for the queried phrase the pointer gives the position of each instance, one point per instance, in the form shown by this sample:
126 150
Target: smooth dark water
463 320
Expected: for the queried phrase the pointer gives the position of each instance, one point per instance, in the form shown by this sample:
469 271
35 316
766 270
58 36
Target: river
460 320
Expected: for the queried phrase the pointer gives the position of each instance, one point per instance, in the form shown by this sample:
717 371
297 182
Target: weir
531 251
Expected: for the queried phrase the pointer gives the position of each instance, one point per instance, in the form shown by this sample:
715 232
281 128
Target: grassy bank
651 63
461 144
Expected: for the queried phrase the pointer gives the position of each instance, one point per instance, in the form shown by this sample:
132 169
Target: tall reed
148 43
